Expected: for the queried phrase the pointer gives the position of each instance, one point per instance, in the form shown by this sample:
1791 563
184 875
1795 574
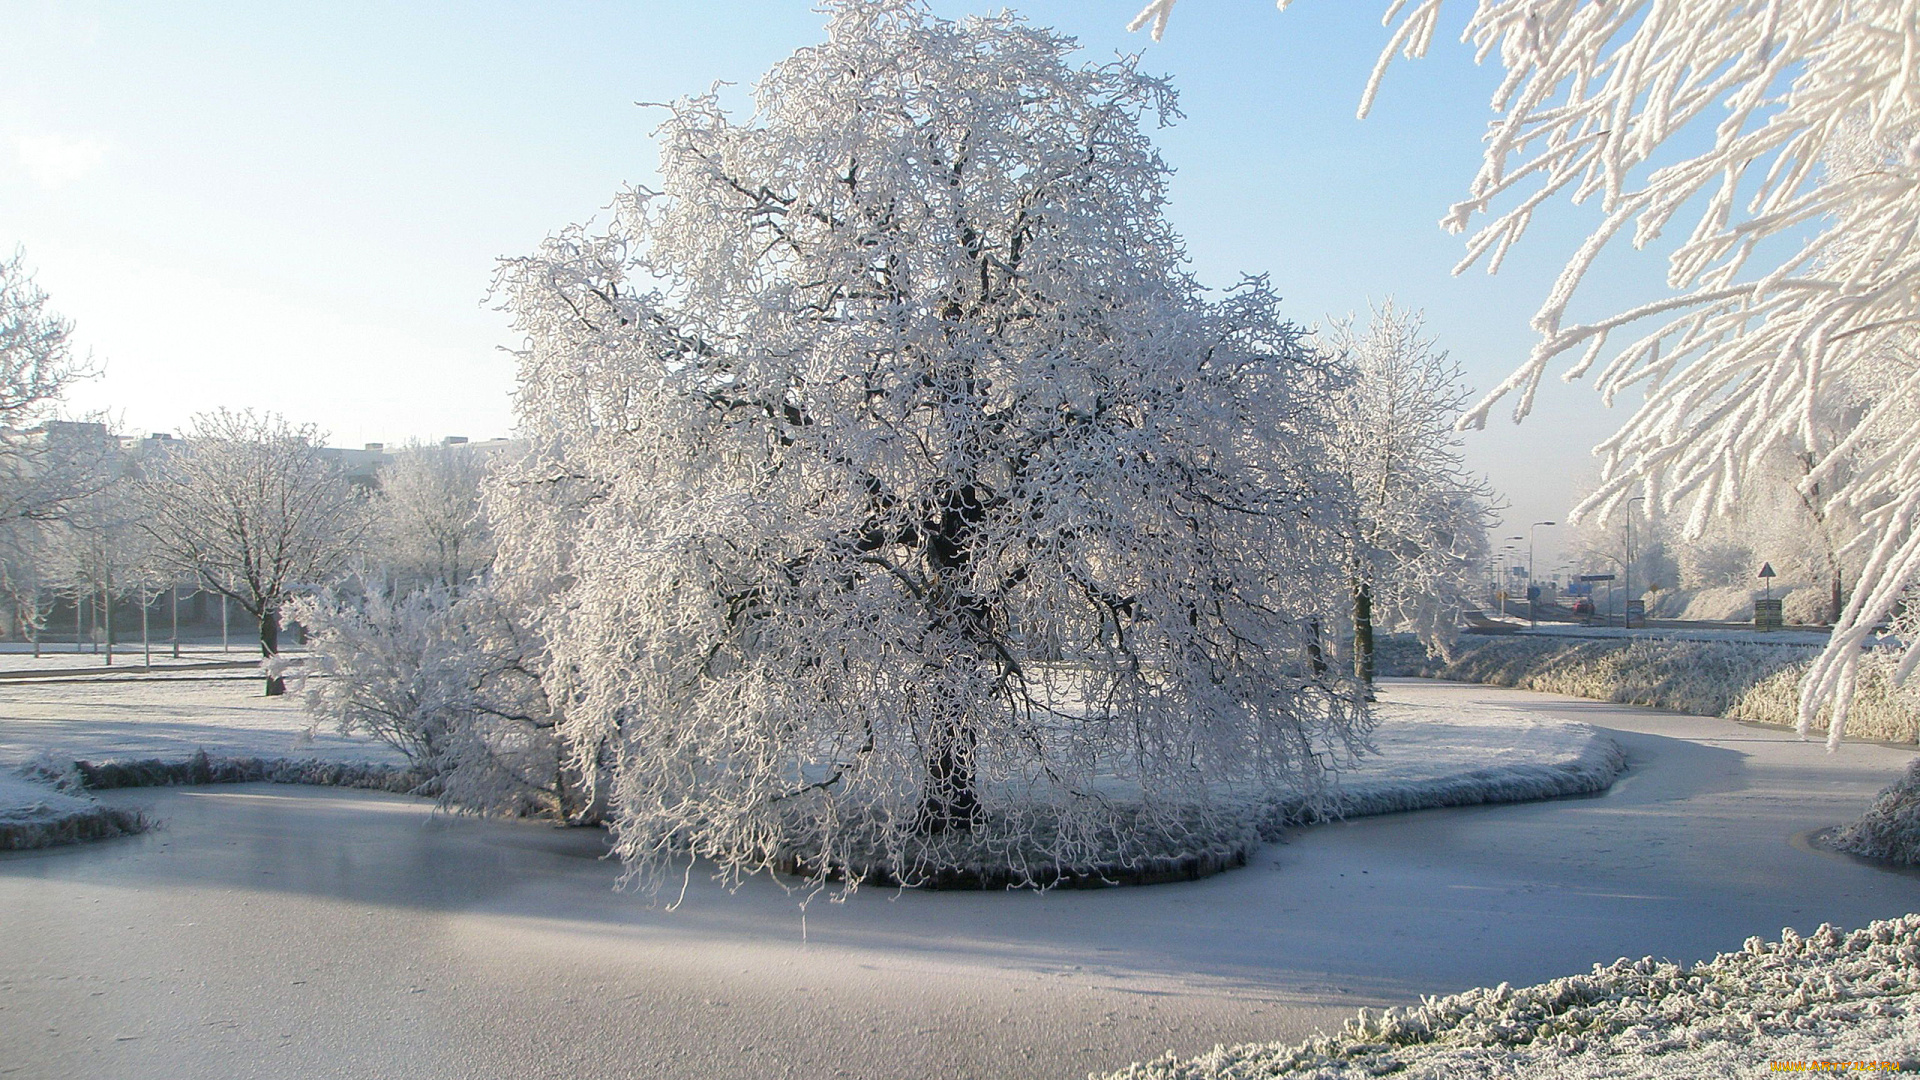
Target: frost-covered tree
27 576
42 467
1788 134
252 510
100 552
892 394
431 527
1418 517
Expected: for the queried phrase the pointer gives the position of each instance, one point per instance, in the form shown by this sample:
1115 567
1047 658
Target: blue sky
298 207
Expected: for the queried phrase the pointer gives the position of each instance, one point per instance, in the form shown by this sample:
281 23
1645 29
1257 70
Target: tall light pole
1506 575
1626 620
1530 586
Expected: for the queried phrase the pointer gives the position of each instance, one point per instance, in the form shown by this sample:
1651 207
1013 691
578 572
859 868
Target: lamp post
1505 580
1530 586
1626 569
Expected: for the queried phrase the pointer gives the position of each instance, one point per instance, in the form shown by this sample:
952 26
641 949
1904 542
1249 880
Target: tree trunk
950 799
1838 602
1363 632
270 648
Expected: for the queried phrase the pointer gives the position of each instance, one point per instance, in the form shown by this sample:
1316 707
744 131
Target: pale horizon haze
299 208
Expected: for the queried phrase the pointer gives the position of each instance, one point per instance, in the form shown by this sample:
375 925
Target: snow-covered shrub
452 683
891 393
1809 605
1890 829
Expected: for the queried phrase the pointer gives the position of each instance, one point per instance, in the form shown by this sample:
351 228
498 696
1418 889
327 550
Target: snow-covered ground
1428 755
100 719
277 931
18 656
1460 753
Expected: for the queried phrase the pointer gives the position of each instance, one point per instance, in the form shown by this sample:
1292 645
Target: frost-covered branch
1785 136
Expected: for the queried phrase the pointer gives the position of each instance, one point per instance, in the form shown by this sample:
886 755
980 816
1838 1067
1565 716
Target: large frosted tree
1786 135
909 505
1418 518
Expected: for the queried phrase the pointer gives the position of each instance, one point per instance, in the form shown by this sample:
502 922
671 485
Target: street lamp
1530 586
1626 570
1505 578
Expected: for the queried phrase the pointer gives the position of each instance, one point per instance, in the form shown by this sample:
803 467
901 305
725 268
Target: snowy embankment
1429 757
1733 678
35 814
1824 998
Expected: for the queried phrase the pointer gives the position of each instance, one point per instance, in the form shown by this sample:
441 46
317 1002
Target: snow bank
1428 765
35 814
1822 998
1737 679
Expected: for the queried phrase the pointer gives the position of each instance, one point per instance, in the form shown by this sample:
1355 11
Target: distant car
1583 606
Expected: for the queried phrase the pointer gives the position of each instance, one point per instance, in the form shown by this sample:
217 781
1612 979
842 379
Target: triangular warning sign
1766 570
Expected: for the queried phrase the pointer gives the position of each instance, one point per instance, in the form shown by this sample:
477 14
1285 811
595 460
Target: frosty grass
1825 997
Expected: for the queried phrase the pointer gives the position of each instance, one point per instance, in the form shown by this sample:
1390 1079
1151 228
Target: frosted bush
1890 829
454 684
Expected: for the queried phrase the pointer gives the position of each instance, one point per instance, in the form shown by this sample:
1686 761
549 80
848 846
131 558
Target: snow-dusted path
274 931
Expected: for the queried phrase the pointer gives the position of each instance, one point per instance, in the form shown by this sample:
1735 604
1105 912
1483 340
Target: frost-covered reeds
1733 679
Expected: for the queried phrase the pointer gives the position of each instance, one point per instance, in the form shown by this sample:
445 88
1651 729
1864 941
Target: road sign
1596 577
1766 569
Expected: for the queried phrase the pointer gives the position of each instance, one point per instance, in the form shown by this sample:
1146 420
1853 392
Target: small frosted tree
892 397
1418 518
431 526
1791 122
254 511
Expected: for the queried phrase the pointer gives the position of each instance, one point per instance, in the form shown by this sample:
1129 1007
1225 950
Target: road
294 932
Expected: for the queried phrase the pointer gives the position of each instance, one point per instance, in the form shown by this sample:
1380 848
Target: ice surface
318 933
